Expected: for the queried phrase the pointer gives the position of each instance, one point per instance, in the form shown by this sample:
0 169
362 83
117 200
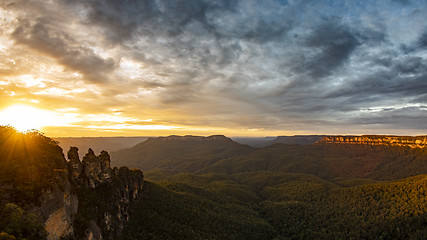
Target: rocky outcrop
131 188
408 141
75 167
96 168
60 221
105 194
58 207
44 196
90 190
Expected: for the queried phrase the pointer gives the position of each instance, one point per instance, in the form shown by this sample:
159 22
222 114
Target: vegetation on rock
39 187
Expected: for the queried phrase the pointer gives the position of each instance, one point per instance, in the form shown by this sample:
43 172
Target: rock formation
409 141
75 167
97 168
42 195
58 208
92 178
117 188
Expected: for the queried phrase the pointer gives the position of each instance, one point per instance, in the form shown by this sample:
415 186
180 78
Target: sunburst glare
23 118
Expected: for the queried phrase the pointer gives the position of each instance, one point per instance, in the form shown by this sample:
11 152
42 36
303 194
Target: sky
238 68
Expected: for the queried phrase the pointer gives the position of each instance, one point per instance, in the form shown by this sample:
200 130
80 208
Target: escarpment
409 141
44 196
104 194
94 200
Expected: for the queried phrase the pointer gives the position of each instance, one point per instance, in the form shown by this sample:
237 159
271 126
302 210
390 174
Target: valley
268 205
195 187
282 191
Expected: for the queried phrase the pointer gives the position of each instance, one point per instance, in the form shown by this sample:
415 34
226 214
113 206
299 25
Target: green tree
20 224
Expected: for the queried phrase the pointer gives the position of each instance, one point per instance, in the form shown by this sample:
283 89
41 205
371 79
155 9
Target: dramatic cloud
335 43
232 67
60 46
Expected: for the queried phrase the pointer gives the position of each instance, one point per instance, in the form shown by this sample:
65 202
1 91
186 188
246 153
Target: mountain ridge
327 160
179 152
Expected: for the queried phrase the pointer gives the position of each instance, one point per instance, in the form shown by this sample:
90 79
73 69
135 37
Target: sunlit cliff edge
409 141
44 196
106 192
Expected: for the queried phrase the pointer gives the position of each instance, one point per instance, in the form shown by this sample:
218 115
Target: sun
23 117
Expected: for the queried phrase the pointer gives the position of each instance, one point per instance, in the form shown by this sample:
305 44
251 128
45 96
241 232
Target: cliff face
58 208
413 142
97 168
42 195
105 195
93 201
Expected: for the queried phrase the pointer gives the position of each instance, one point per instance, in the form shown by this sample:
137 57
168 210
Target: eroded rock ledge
408 141
97 201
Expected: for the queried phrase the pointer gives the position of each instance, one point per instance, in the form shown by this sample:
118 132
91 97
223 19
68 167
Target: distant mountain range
117 143
219 154
180 153
98 144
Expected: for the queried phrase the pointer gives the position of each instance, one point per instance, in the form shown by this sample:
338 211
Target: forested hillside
30 164
222 155
179 153
225 190
272 205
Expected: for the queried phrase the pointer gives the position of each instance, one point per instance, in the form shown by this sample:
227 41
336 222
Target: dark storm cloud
323 51
408 117
123 20
257 64
61 46
410 65
335 43
420 99
422 41
185 27
403 2
405 78
419 44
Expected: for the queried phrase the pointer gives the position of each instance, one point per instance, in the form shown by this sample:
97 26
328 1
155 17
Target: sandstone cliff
104 196
44 196
89 200
409 141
